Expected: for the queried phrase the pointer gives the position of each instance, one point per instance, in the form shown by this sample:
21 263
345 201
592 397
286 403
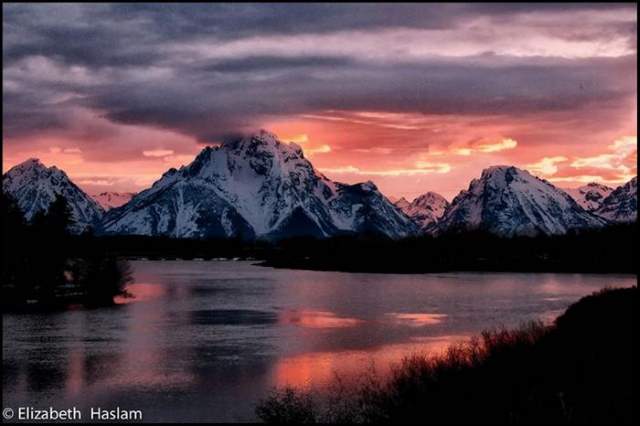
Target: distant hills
110 199
424 210
260 187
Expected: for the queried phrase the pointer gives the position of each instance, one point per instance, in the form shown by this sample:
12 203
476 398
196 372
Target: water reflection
320 369
202 341
316 319
140 292
418 319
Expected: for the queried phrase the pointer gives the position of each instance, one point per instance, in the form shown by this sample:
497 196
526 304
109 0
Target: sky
415 97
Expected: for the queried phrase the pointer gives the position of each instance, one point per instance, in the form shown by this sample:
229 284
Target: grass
577 370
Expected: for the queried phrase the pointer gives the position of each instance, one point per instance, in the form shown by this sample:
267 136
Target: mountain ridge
260 187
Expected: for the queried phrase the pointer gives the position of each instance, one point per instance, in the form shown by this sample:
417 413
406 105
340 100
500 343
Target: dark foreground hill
578 370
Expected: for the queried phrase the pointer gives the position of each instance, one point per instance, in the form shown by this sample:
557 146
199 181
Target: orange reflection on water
418 319
316 319
140 292
75 375
319 369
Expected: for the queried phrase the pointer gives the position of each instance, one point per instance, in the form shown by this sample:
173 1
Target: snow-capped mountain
589 196
425 210
622 204
507 201
255 186
109 200
35 186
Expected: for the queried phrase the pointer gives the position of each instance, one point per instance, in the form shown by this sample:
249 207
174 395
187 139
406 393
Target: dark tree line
611 249
608 250
42 265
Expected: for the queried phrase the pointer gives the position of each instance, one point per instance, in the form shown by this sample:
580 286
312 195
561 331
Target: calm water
205 340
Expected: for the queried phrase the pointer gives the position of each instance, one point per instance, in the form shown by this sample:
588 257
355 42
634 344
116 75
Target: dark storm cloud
443 88
268 63
122 34
135 64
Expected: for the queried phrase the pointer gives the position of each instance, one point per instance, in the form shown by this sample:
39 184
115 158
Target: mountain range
259 187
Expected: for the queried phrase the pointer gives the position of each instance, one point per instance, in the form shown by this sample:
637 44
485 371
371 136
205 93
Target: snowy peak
255 185
590 196
622 204
31 164
35 186
259 154
425 210
33 169
508 201
109 200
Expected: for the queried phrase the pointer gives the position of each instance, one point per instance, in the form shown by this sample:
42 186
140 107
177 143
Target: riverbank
577 370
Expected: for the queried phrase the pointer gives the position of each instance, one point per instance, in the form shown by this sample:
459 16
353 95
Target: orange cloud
299 139
546 166
310 151
615 166
486 147
622 149
322 149
463 151
72 150
506 143
374 150
421 168
158 153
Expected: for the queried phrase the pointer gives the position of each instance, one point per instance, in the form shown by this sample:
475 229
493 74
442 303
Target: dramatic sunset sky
414 97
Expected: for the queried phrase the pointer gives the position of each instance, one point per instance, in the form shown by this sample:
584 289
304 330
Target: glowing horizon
619 166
